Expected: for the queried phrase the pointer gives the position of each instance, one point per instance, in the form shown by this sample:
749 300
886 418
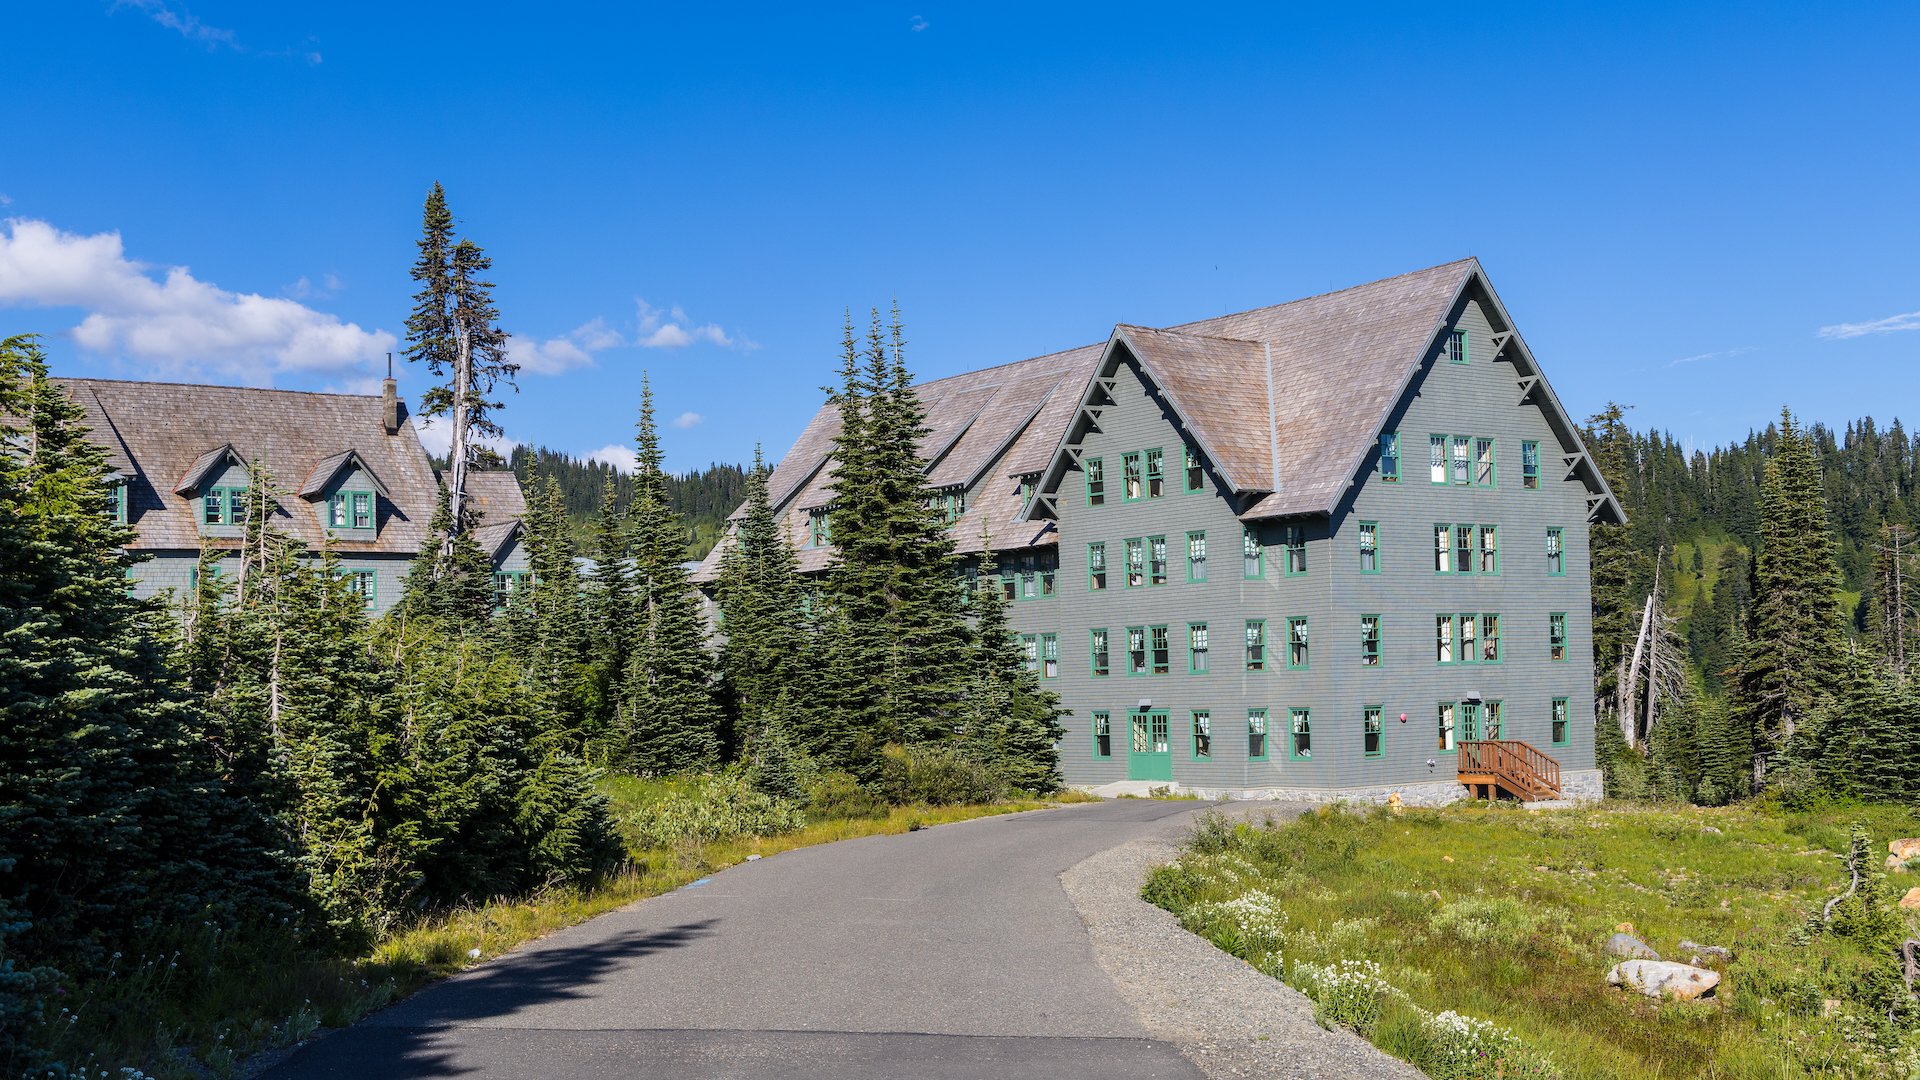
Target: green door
1150 749
1470 722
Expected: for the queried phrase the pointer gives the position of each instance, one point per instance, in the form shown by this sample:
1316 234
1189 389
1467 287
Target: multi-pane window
361 584
1470 721
1156 474
1443 638
1256 644
1096 566
1457 346
1446 725
1494 711
1132 486
1390 458
1195 475
1049 656
1370 640
1300 727
1202 734
1157 560
1490 638
1046 578
1009 586
363 510
1463 549
1102 734
1529 464
1250 565
1197 662
1462 459
224 506
1136 563
1027 487
819 528
1030 652
1556 555
1437 458
1297 642
1369 547
1442 543
1469 646
1295 537
1557 635
1257 734
1162 650
1095 471
506 584
1136 650
1559 732
1196 556
1029 584
1483 457
1371 735
1102 660
338 512
953 503
117 501
1489 549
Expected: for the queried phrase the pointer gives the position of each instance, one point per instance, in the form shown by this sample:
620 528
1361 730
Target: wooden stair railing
1515 766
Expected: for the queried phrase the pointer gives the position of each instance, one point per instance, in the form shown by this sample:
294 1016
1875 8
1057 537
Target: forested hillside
703 499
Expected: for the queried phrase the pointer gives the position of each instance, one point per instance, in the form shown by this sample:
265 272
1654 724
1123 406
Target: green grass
171 1024
1501 914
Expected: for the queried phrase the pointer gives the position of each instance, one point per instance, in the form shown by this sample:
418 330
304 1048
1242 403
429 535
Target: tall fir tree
546 623
758 590
610 607
1620 570
1792 662
671 721
1007 716
451 583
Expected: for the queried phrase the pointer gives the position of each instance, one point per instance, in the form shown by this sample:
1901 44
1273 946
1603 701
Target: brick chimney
390 406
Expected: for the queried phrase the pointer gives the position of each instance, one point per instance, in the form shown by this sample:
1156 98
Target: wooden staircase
1493 767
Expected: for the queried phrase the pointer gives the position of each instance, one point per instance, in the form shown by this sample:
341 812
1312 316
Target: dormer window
223 506
117 501
350 510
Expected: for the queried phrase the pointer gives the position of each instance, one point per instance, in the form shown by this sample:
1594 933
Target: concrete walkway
953 952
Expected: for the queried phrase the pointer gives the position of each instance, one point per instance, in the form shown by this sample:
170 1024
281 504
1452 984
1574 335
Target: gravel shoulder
1221 1014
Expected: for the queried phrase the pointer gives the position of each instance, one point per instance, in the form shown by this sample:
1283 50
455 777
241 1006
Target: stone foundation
1576 785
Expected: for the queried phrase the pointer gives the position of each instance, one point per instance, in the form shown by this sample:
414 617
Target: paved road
947 953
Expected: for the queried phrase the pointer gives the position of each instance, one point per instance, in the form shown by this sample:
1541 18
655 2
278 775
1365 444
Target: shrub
720 807
1347 993
1255 922
839 795
1464 1048
1480 920
1172 887
937 775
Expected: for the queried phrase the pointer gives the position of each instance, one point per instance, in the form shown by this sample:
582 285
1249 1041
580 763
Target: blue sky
1705 213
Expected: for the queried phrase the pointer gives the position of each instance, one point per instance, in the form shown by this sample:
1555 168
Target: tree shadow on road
412 1038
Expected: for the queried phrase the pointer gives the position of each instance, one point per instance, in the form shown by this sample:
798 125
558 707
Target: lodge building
1332 548
350 468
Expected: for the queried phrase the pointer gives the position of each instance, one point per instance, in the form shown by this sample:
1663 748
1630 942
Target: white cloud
1888 325
558 354
174 320
183 21
688 419
436 434
622 458
1721 355
918 24
671 329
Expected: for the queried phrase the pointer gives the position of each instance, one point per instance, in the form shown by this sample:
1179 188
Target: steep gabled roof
329 468
206 466
494 538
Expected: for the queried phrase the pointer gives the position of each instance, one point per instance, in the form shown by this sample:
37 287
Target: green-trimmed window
1030 652
1470 721
1049 656
1442 549
1156 474
223 506
1195 475
1483 462
1489 638
1556 553
1443 638
117 501
819 527
1156 560
363 509
1136 650
1495 718
1102 658
338 513
1463 549
1136 563
361 583
1132 484
1027 488
1256 644
1047 577
1096 566
1095 472
1469 652
1529 464
507 584
1369 547
1297 642
1370 641
1300 732
1462 460
1457 346
1489 549
1295 537
1437 459
1445 731
1560 730
1390 457
1256 734
1160 648
1372 734
1009 585
1557 636
1196 556
1102 734
1197 649
1202 734
1250 555
1029 584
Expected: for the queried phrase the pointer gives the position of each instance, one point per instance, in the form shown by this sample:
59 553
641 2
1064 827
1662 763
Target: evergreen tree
1007 717
779 764
1622 571
1791 663
546 622
758 590
610 609
451 582
671 720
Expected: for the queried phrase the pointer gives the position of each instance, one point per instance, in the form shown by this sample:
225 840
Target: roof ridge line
1322 295
214 386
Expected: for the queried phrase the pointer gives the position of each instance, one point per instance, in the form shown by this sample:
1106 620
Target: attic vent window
1457 346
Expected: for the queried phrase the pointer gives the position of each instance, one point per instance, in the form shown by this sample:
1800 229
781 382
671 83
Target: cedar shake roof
1284 402
163 436
496 496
